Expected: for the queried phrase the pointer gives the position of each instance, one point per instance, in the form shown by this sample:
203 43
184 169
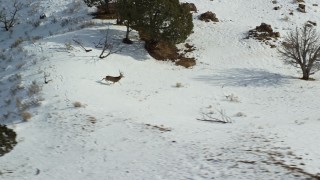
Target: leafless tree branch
9 19
80 44
107 48
301 49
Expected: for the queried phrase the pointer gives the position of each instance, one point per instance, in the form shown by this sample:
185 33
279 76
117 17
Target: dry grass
69 46
232 98
92 119
178 85
210 117
77 104
17 42
34 88
21 105
87 24
26 115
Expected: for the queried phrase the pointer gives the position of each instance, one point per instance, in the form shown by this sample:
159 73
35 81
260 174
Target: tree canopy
159 20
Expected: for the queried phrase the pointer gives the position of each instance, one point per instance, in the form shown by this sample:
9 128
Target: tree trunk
126 39
128 31
306 74
106 2
119 20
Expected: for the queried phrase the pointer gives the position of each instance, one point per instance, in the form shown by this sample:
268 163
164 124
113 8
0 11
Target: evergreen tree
159 20
130 14
91 3
180 27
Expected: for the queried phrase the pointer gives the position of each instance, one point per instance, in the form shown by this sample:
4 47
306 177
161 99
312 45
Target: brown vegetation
103 13
162 50
26 115
186 62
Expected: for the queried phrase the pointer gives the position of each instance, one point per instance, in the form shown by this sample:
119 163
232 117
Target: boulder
302 8
264 28
208 16
312 23
190 6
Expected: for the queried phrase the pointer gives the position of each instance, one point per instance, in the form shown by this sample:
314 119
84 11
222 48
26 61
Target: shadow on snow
243 77
90 37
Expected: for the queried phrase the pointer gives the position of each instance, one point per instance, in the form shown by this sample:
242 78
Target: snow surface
147 127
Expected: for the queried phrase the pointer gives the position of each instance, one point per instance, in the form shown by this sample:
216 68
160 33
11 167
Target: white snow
147 127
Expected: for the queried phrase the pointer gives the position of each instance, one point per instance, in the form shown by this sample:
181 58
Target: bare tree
107 47
301 48
9 19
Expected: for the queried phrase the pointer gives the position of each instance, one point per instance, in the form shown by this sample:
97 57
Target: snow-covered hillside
149 125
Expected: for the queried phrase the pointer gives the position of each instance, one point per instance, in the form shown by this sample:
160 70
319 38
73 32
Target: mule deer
114 79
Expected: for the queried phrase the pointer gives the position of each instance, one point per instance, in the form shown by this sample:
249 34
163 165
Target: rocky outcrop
208 16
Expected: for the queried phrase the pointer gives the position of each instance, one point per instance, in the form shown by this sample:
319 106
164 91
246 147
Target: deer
113 79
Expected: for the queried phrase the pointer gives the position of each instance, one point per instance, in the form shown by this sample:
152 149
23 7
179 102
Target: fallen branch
209 118
79 43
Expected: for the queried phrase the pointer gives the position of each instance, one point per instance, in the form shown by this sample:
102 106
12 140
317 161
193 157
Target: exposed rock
189 48
277 8
208 16
191 6
264 28
291 13
43 16
311 23
277 34
302 8
273 46
264 33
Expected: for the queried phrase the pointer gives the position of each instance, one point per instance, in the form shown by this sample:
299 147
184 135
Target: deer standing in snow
113 79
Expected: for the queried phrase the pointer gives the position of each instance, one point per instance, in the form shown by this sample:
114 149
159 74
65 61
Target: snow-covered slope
147 127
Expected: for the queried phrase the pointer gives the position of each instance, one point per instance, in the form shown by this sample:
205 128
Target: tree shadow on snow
243 77
91 37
